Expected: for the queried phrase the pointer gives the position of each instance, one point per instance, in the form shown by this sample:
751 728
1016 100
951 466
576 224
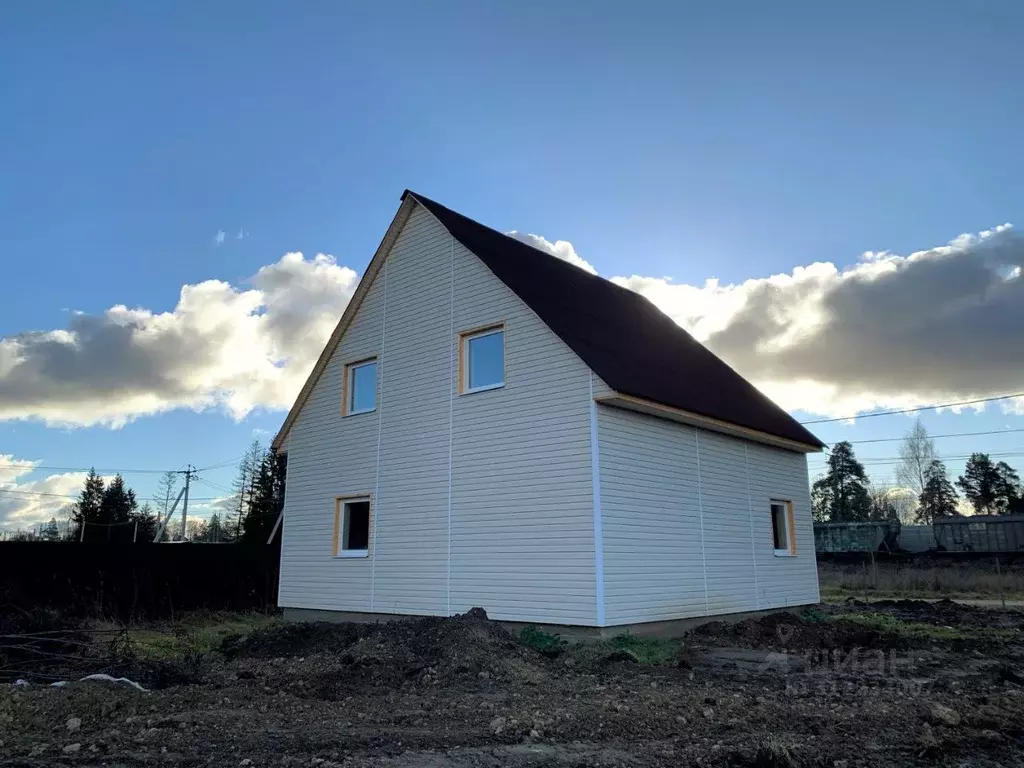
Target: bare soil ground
890 683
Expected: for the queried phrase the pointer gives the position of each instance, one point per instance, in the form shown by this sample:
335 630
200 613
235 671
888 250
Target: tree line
249 513
258 493
109 507
111 511
845 494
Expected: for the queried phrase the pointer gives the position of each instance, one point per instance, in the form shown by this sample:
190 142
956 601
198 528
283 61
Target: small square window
782 528
483 359
352 528
361 387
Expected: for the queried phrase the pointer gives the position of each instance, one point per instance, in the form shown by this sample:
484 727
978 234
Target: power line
915 410
221 464
214 485
103 470
934 437
99 471
36 493
1015 451
956 457
75 496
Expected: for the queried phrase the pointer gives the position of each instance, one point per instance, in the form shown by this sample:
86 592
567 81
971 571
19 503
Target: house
491 426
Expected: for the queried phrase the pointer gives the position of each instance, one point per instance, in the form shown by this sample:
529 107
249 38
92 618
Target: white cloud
890 331
561 248
241 234
224 506
221 346
27 503
218 239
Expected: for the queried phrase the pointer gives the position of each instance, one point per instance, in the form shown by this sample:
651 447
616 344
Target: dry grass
198 632
921 631
960 579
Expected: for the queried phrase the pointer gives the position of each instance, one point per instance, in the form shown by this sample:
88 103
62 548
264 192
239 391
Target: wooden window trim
790 551
347 377
339 503
464 337
792 528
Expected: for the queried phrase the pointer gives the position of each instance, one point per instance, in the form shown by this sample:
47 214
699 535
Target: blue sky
691 141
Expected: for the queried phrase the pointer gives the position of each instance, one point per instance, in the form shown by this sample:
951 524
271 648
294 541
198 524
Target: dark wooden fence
143 580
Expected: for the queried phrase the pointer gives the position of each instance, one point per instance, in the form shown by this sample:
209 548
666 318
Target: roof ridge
594 275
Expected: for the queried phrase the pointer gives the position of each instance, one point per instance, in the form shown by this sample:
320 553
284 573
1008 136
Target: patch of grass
774 753
913 630
195 634
839 594
813 613
545 642
648 650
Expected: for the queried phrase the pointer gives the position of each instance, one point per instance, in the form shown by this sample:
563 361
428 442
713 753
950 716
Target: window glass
357 526
780 534
363 386
486 364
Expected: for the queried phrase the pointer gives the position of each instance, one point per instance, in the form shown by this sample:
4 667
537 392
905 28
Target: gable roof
631 344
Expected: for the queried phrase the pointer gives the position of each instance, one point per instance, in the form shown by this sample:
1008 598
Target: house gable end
621 336
373 268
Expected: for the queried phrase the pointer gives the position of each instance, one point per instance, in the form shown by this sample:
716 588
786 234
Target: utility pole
189 472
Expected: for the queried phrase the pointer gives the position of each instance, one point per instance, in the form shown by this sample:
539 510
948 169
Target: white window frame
787 519
350 386
341 514
464 344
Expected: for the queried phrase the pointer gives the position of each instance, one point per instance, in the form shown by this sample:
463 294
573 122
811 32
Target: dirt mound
295 639
429 650
784 631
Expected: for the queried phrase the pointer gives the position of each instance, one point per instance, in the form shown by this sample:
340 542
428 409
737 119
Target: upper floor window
482 359
360 387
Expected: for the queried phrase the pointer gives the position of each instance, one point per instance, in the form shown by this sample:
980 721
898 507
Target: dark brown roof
627 341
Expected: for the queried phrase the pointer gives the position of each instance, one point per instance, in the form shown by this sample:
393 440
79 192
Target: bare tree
882 503
905 504
917 452
166 493
196 529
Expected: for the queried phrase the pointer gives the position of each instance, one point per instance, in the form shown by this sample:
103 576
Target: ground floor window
352 527
782 527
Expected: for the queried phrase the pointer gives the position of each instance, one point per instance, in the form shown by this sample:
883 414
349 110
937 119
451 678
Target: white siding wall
679 542
653 567
522 508
778 474
520 541
410 532
330 456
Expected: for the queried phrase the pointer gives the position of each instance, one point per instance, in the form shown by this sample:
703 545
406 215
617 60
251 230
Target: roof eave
642 405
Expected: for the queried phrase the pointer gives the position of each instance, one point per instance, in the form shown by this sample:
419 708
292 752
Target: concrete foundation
659 629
